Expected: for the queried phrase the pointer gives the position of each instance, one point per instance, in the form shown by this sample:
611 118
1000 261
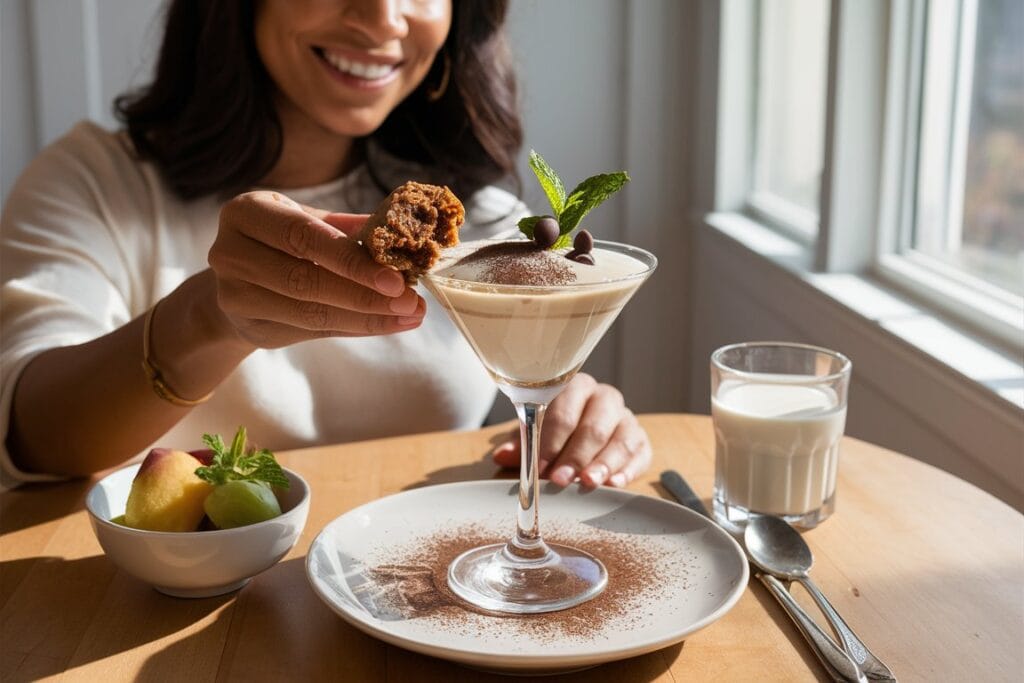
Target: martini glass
533 340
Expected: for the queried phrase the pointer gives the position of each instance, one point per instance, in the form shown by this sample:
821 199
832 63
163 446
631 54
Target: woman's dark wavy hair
208 121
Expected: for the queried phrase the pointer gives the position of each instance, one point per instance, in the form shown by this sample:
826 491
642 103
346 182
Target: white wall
65 60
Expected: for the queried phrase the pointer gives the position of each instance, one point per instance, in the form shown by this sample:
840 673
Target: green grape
238 503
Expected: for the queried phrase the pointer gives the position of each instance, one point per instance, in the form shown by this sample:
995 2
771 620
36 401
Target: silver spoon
780 550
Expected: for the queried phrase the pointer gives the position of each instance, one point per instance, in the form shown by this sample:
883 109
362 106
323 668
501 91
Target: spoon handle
839 665
872 666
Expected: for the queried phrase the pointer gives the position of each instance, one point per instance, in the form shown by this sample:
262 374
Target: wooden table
928 569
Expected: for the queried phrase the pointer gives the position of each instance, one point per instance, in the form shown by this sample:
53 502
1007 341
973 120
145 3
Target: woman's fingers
627 454
598 422
282 224
507 454
251 302
595 438
253 262
561 420
287 272
348 223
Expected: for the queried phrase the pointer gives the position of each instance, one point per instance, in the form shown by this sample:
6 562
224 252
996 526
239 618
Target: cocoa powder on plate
412 583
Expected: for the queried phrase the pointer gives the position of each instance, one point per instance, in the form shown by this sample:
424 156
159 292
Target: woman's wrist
191 341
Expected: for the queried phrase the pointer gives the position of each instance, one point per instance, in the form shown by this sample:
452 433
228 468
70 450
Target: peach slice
166 494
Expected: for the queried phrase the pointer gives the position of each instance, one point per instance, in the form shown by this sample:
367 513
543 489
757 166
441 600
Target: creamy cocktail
533 316
533 309
534 335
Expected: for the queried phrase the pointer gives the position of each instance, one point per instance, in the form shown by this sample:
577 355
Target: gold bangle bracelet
156 379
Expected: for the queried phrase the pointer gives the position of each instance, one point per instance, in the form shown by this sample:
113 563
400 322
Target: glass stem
527 543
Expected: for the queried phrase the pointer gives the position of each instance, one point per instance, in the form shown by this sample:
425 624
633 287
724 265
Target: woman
151 294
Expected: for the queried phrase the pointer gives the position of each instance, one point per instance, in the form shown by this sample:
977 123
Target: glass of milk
779 410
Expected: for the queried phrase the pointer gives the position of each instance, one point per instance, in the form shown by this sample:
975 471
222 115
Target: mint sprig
229 464
549 182
569 209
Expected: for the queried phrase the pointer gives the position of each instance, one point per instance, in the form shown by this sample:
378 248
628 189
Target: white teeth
370 72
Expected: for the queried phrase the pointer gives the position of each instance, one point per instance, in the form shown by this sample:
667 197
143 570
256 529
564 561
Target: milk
777 445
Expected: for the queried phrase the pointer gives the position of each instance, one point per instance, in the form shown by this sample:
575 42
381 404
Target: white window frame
870 187
932 174
929 384
793 220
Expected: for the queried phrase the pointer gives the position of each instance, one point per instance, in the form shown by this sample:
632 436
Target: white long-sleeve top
91 238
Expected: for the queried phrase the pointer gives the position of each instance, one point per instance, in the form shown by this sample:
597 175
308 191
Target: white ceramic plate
700 573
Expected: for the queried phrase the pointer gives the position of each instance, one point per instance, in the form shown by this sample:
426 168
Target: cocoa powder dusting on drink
414 581
520 263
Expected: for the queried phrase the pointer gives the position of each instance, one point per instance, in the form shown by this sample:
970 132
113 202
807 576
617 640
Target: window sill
921 385
967 354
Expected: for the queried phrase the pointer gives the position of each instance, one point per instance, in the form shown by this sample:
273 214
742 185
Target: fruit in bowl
166 494
230 486
193 563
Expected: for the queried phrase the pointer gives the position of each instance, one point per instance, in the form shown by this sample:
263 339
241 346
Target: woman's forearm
80 409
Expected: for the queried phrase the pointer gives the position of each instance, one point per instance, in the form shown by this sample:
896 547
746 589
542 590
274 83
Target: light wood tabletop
928 569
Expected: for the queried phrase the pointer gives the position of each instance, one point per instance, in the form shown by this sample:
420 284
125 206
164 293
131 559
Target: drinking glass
533 340
779 410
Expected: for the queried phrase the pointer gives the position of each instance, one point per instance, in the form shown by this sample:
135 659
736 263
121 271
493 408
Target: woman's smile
357 70
369 56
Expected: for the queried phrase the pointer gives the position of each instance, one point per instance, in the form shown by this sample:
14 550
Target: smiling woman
205 261
340 69
241 86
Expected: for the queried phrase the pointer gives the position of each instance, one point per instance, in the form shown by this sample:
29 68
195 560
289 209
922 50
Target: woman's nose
378 20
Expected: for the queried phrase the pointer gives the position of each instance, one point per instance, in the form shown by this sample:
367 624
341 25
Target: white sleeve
64 273
492 212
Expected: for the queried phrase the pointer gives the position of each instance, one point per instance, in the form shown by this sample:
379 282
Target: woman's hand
287 273
589 433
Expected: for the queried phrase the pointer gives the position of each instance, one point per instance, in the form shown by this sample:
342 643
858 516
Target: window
971 171
791 75
959 242
889 139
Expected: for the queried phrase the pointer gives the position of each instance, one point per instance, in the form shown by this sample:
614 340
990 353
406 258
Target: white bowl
194 564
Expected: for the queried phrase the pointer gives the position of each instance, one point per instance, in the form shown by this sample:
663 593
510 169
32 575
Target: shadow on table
482 468
662 492
770 605
34 504
60 614
642 669
786 626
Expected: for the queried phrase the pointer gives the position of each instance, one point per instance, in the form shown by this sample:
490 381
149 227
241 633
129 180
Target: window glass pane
792 70
975 219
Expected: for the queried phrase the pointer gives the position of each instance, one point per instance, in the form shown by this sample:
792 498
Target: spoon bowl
777 548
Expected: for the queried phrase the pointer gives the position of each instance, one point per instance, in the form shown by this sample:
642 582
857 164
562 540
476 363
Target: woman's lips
362 73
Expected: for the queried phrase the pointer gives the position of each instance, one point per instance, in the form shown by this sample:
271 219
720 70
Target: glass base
733 518
493 579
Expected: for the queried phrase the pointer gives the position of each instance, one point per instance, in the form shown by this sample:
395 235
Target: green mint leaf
549 182
587 196
238 445
216 472
564 240
526 225
266 468
237 463
209 474
215 443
